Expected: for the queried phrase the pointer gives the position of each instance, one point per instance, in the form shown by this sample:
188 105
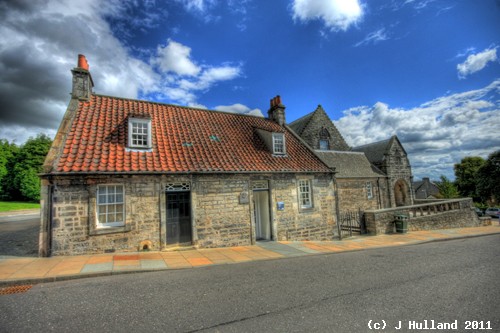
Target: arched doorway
401 194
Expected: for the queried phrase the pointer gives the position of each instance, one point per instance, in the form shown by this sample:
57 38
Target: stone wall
219 217
353 194
73 221
397 167
220 214
447 214
294 223
311 133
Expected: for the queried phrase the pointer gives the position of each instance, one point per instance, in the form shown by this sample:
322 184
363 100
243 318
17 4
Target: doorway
179 228
400 193
263 229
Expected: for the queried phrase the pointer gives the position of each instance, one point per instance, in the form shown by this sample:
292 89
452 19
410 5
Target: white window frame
108 205
369 190
305 194
279 147
133 136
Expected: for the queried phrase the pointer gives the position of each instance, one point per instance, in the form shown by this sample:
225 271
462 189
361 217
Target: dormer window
279 143
139 133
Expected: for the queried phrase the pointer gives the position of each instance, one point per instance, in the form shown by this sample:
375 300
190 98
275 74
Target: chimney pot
277 111
82 62
82 80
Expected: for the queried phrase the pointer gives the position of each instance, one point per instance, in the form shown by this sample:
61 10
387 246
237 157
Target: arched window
324 139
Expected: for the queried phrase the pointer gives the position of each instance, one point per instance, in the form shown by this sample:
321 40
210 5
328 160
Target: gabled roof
425 188
184 140
313 122
375 152
349 164
300 124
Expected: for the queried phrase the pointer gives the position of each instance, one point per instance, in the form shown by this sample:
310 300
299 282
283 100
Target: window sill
110 230
306 210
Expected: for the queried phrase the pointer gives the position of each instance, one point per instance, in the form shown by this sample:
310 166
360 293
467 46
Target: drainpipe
337 208
379 195
45 238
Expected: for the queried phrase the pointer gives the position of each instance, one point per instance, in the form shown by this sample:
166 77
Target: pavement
11 213
16 272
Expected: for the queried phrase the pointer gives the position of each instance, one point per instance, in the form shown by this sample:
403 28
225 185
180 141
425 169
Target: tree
489 179
20 166
466 176
8 152
447 189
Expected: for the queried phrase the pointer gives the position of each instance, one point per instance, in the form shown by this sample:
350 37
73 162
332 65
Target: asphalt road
19 235
441 281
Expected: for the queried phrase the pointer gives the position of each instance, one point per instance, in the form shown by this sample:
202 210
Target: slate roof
376 151
300 124
349 164
424 189
184 140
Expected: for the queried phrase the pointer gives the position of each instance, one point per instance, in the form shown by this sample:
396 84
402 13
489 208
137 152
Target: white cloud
176 58
239 108
336 14
476 62
374 37
40 43
210 76
197 5
203 9
436 134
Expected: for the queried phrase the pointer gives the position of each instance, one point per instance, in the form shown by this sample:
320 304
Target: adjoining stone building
373 176
391 158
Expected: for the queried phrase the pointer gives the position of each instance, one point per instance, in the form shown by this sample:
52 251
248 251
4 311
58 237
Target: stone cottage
127 175
425 189
373 176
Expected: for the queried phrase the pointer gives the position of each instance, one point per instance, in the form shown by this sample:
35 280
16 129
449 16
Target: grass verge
6 206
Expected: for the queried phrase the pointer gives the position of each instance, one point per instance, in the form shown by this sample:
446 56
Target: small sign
244 198
281 205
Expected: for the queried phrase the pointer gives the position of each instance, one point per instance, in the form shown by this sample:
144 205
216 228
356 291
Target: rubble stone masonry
219 216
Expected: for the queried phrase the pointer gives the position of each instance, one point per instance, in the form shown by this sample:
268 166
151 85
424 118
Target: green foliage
29 184
7 153
447 190
19 168
481 205
466 173
488 179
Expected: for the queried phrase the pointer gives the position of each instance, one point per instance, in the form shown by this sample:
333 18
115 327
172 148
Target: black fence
351 222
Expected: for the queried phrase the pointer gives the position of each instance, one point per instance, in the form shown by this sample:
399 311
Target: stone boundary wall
442 214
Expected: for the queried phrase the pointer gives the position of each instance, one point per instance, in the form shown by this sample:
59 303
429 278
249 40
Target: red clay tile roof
182 141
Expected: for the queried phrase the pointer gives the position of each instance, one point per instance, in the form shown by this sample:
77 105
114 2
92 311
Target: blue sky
425 70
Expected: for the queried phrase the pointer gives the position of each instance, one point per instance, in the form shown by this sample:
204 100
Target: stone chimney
82 80
277 111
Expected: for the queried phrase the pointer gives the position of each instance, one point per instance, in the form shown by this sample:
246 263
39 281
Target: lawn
16 205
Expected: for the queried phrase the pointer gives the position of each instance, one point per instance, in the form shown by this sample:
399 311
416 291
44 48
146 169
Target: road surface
448 282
